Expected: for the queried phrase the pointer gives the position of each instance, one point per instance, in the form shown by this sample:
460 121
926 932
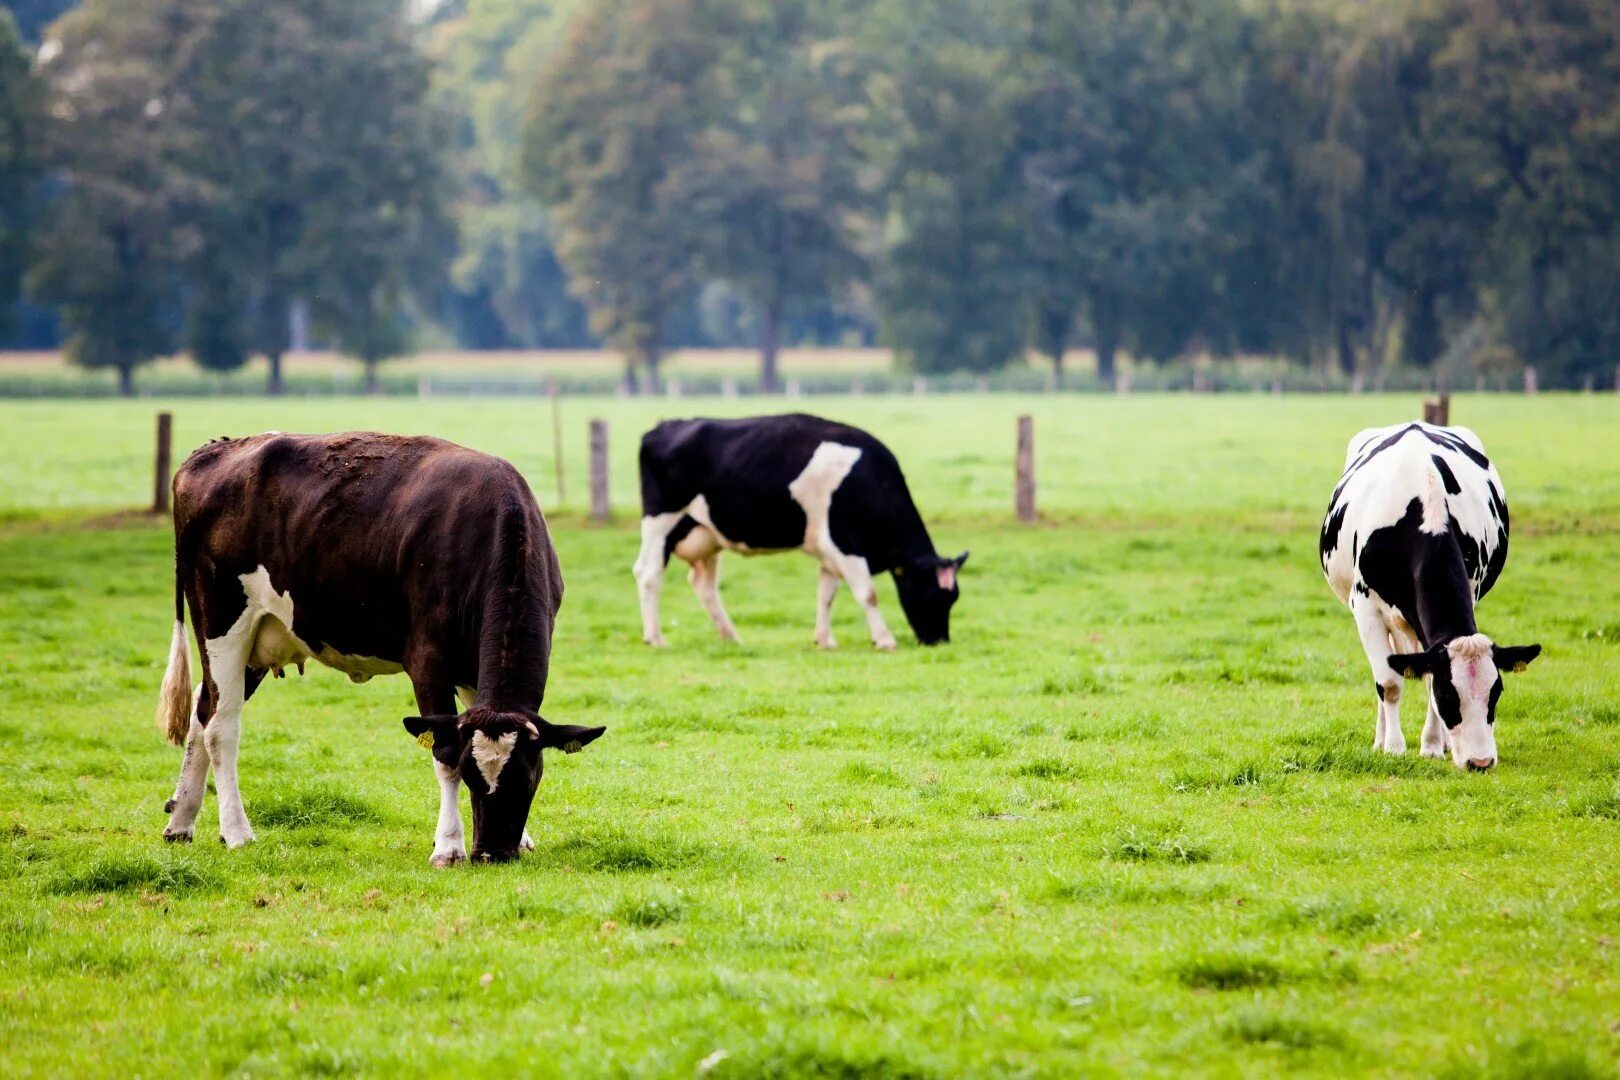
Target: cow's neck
1445 599
514 640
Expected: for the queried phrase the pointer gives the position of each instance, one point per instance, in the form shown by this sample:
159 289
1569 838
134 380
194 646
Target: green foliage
22 116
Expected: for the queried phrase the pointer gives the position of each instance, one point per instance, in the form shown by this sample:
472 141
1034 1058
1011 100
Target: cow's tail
174 699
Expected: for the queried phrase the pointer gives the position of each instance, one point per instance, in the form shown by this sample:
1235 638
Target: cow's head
927 590
497 755
1467 681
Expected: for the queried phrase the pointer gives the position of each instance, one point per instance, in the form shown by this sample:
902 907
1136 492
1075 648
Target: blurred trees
22 114
1431 183
224 160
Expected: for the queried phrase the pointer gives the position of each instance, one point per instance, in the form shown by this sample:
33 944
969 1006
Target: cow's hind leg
826 590
1387 683
222 737
187 800
649 570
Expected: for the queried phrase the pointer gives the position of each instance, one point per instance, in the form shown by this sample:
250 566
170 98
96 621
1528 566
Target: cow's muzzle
1480 764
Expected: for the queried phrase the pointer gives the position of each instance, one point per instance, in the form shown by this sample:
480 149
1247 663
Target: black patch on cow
1330 534
1447 702
1496 692
1446 475
1420 574
1452 442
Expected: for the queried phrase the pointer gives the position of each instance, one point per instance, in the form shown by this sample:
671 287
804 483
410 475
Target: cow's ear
1514 657
568 738
439 734
945 572
1414 664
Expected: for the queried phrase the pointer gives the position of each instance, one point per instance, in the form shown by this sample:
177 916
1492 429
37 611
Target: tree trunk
1106 324
769 332
1054 331
126 380
372 385
274 386
650 358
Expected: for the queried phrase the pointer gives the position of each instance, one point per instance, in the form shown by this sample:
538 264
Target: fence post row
1025 491
160 479
599 470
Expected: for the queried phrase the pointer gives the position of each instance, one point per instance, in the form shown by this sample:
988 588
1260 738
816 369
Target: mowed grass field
1126 822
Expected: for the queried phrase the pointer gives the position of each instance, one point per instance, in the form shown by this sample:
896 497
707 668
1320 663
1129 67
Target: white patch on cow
813 490
491 755
449 842
649 570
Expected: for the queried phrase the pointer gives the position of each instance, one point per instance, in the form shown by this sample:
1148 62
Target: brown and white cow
373 554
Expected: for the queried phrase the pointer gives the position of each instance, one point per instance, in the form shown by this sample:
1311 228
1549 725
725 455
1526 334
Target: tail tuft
174 700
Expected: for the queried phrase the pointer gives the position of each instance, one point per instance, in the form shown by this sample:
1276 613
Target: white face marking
490 755
1473 673
813 490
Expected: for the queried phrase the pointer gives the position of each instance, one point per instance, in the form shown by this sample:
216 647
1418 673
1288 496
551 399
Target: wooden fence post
1530 380
599 470
1025 492
728 387
160 479
556 436
1438 411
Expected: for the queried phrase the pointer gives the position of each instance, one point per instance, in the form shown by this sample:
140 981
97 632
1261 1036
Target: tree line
1429 183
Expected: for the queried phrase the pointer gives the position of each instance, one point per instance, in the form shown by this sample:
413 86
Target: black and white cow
373 554
1416 533
783 483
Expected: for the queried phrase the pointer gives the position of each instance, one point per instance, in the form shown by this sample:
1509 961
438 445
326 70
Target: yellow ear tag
425 740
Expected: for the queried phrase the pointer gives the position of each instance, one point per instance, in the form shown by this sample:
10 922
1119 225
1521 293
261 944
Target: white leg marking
1374 632
705 579
193 782
449 843
826 590
227 664
854 570
527 843
649 571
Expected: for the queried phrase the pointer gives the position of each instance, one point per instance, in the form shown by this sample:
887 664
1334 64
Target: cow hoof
442 859
238 839
827 644
168 807
884 646
1436 752
656 642
527 843
179 836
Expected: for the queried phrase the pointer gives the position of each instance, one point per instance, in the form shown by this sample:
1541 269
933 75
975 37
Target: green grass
1127 822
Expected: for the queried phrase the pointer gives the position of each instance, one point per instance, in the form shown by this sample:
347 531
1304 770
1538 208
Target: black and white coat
785 483
1416 534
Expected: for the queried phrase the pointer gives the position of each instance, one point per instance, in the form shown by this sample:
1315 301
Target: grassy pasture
1127 822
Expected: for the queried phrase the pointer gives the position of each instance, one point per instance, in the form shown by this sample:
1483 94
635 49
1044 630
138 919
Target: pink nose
1480 764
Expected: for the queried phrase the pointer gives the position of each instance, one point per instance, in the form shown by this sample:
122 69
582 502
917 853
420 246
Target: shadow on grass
312 806
618 852
1288 1032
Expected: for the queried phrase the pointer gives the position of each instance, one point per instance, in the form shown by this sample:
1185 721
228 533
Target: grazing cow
1416 533
777 483
373 554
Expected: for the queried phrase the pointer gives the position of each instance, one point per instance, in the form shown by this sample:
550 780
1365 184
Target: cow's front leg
187 800
649 571
449 842
1433 744
1387 683
826 590
859 577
